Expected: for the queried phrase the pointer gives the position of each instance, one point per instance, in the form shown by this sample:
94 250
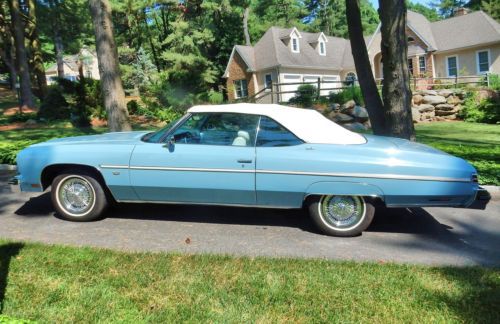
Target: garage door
327 85
289 78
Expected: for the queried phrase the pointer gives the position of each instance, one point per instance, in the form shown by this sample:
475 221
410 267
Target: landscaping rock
360 113
434 100
445 107
450 117
347 107
30 122
445 93
454 100
355 127
428 93
415 114
425 107
333 107
428 116
342 118
443 113
418 99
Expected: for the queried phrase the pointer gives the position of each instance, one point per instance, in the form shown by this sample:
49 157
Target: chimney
460 11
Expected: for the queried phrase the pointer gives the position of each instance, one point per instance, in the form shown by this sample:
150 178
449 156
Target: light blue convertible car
248 155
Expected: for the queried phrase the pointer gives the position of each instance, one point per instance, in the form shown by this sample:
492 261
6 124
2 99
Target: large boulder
347 107
450 117
445 107
333 107
355 127
428 93
443 113
342 118
425 107
454 100
445 93
417 99
428 115
415 114
434 100
360 113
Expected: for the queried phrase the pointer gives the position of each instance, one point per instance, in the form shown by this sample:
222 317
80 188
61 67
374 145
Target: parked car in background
252 155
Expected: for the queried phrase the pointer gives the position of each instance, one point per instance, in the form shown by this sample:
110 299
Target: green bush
133 107
54 106
484 111
494 82
215 97
343 96
20 118
305 95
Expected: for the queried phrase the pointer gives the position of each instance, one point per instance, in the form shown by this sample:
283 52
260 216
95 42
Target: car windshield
155 137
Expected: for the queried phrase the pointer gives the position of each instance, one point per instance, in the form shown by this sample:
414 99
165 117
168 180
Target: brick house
467 44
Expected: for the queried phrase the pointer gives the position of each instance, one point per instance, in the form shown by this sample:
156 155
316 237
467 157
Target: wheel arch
345 188
51 171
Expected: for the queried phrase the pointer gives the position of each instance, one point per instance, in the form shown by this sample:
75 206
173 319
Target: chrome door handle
244 161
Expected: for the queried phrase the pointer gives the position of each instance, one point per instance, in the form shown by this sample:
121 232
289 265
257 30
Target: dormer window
322 48
295 45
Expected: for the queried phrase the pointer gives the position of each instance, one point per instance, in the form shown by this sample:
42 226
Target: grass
477 143
65 284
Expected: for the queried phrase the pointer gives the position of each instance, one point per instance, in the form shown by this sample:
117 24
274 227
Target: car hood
107 138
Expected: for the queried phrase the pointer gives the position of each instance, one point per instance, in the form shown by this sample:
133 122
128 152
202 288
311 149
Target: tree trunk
245 26
363 68
36 50
107 56
22 58
58 42
396 84
7 52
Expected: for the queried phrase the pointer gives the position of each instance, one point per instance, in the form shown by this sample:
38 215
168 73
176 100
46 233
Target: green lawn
477 143
65 284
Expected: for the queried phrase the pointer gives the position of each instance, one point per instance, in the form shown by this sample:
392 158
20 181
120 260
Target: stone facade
238 71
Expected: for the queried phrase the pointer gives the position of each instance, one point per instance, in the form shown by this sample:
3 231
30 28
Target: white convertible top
308 124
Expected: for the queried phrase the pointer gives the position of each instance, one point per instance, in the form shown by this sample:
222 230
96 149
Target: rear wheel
341 215
78 196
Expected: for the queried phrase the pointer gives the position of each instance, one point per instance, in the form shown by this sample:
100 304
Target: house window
421 64
295 45
241 88
410 39
410 66
483 61
452 66
322 50
268 81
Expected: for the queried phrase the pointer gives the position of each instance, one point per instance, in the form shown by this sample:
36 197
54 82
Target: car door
211 159
279 155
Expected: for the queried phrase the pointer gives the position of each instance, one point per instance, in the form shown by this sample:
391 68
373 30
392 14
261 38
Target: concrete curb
8 167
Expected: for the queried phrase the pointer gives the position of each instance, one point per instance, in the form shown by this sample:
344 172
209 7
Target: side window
218 129
273 134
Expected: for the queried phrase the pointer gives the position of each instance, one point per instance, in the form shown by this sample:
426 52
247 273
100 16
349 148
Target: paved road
448 236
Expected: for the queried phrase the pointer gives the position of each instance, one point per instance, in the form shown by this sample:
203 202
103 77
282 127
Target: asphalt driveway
440 236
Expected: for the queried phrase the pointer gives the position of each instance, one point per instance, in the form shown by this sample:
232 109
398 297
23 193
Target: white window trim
324 48
425 65
298 44
447 67
477 61
265 76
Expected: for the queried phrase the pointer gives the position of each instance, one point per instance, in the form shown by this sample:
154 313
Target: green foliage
481 111
494 82
350 93
429 13
133 107
4 319
305 95
215 97
20 118
329 16
54 106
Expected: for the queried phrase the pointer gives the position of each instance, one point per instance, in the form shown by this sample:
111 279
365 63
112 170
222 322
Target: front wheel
78 196
341 215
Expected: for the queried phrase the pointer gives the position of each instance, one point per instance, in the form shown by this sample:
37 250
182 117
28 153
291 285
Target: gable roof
469 30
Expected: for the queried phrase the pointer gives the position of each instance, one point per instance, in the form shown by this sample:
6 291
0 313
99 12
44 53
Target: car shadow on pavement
388 220
8 251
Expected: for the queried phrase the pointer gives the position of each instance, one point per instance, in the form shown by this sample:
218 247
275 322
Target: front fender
344 188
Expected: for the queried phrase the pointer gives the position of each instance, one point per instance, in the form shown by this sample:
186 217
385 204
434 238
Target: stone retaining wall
436 105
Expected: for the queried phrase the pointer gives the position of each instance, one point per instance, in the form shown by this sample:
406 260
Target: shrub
133 107
54 106
305 95
215 97
20 118
343 96
494 82
484 111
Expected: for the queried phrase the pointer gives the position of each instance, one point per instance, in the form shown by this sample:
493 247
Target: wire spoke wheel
76 195
342 212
